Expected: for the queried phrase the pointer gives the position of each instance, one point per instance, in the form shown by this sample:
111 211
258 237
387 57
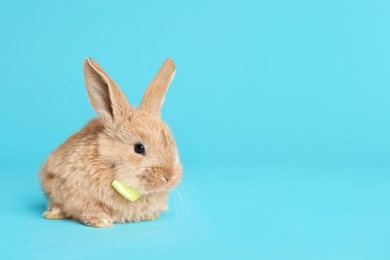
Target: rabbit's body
77 176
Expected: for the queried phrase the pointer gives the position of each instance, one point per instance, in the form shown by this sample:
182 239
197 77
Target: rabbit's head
135 142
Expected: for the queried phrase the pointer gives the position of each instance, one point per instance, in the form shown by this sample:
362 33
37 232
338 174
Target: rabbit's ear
106 98
154 95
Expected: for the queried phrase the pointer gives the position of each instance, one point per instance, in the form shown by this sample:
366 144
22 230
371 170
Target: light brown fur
77 176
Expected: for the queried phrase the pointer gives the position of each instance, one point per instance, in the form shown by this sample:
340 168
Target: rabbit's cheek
152 181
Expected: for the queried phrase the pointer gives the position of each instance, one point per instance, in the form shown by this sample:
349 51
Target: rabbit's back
74 169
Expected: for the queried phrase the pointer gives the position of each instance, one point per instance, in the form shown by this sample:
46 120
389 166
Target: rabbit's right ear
106 98
154 95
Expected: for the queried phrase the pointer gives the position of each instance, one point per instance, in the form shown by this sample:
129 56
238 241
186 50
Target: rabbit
123 142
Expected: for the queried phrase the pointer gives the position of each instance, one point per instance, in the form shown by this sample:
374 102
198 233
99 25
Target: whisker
186 198
176 207
179 211
186 207
181 203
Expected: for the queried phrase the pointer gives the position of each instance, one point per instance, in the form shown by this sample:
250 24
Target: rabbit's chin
148 185
156 179
151 179
163 186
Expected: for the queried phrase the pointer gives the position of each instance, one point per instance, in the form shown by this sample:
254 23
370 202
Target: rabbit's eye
139 148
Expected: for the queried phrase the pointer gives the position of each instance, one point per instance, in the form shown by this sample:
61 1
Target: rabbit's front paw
96 220
54 213
152 216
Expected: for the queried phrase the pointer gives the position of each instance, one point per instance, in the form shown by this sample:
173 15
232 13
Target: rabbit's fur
77 176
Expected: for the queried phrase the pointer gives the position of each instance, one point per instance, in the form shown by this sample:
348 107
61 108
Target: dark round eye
139 148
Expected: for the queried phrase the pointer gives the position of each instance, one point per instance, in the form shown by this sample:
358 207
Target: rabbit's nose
172 173
168 175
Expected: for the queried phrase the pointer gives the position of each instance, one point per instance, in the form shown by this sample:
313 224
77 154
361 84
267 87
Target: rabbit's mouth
161 178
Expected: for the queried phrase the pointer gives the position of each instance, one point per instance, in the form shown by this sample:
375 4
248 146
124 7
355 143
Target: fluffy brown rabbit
130 144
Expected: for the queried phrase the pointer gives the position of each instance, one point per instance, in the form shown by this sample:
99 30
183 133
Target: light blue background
280 110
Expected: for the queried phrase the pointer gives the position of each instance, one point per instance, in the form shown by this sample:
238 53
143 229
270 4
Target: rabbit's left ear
104 94
154 95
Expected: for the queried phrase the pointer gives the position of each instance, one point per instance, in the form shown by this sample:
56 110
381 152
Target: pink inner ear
97 87
106 97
